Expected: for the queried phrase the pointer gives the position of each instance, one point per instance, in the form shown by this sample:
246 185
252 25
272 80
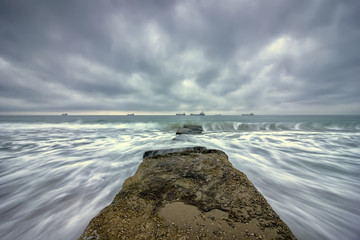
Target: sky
164 57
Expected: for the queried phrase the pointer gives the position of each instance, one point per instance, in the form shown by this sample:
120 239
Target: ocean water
57 173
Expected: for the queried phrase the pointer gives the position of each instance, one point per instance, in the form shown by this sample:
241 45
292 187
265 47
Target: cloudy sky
163 57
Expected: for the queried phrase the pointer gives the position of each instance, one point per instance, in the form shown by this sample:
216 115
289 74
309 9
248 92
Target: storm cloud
231 57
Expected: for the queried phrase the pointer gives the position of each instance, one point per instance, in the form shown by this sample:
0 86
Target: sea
58 172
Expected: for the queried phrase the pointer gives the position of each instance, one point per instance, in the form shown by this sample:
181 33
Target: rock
191 193
190 129
172 150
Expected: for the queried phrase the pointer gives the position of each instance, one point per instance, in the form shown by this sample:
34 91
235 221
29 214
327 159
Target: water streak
57 173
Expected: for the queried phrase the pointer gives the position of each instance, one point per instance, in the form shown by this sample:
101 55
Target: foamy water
56 173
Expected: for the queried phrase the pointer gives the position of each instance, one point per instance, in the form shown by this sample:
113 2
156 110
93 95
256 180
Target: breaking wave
279 126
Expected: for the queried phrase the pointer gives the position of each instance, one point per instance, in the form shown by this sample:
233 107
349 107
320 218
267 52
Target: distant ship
200 114
251 114
64 114
180 114
131 114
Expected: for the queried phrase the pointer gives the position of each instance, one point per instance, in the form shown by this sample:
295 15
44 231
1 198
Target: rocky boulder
191 193
190 129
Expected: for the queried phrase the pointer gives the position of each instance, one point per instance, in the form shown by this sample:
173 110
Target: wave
279 126
208 126
80 125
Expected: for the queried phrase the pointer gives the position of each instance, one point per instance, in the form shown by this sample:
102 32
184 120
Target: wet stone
188 193
190 129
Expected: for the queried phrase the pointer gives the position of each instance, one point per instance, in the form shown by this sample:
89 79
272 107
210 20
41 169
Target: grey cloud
165 56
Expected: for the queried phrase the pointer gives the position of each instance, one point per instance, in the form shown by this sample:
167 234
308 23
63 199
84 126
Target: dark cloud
272 57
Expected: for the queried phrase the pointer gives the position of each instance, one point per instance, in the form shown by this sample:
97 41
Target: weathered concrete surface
190 129
191 194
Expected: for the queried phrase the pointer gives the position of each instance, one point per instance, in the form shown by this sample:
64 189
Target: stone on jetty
190 129
192 193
